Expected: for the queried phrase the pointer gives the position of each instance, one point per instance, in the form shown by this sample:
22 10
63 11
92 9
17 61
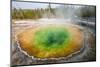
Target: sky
31 5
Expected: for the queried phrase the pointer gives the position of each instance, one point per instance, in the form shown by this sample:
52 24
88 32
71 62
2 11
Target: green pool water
52 38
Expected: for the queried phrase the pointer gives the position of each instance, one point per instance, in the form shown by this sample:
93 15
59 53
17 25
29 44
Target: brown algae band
51 40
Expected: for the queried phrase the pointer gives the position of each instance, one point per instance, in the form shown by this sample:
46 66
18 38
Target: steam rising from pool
69 12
